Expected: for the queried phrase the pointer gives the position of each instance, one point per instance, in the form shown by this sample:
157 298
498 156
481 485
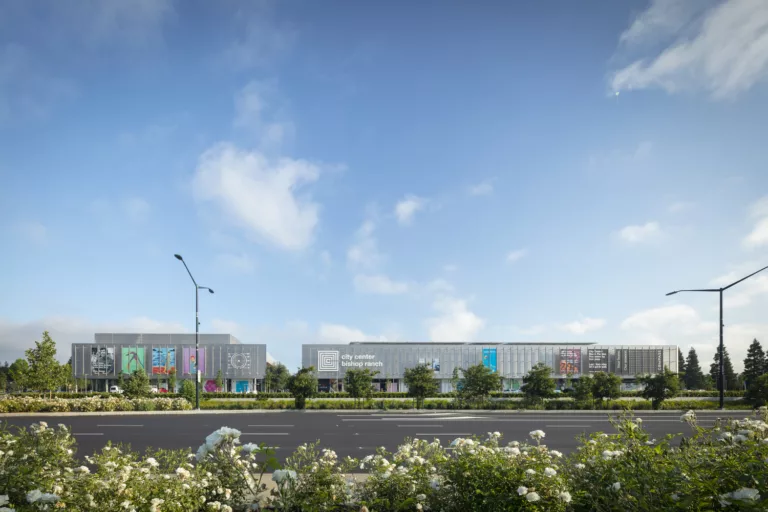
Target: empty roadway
347 432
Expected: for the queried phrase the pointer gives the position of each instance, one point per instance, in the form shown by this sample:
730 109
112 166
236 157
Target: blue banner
489 358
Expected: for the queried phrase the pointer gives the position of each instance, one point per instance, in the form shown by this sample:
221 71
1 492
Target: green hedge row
440 404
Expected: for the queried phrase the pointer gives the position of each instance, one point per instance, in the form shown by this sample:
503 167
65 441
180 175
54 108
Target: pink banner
189 366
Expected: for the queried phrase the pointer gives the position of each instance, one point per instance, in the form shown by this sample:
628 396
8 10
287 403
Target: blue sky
340 171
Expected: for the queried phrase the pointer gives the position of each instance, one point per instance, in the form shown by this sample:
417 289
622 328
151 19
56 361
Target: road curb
425 412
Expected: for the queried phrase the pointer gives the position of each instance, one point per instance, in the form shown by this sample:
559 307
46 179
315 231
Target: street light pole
721 350
197 329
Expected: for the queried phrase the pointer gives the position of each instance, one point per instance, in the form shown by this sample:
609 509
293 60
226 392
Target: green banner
132 359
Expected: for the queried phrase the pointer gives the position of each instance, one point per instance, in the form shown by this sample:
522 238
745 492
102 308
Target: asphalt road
349 433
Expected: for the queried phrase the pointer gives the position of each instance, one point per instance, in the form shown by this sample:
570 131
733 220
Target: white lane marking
420 426
281 426
441 434
119 425
89 434
264 434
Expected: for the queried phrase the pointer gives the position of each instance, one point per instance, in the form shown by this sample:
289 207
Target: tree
303 385
188 390
68 376
582 390
660 387
45 372
606 385
81 384
359 383
219 381
694 377
731 381
3 382
18 373
421 383
276 377
477 383
538 385
455 378
680 364
754 364
120 381
172 380
138 385
757 393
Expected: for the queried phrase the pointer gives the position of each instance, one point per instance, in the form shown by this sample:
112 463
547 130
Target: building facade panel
510 360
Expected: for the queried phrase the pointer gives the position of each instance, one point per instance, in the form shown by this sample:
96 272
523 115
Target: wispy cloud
257 115
680 206
641 233
136 208
758 237
260 195
454 320
32 231
584 325
260 37
722 49
483 188
379 284
516 255
235 263
364 252
344 334
407 208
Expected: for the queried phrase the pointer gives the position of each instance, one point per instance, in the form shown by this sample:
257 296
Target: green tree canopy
421 383
172 380
359 382
219 381
582 390
694 377
606 385
303 385
276 377
45 373
477 382
137 385
754 364
188 390
731 380
538 385
757 393
660 387
18 372
680 364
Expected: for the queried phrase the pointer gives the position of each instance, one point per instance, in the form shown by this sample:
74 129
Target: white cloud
759 234
136 208
533 330
455 322
259 194
584 326
251 112
16 337
364 253
439 286
379 285
745 292
640 233
680 206
724 52
407 208
656 318
32 231
344 334
516 255
450 267
237 263
483 188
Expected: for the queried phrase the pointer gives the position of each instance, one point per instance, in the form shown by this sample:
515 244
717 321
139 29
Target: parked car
115 389
153 389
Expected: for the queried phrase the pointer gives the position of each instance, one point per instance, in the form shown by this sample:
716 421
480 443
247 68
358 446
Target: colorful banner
163 360
436 364
570 361
489 358
210 386
102 360
132 359
189 366
241 386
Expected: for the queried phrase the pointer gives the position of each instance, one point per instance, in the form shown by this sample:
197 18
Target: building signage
489 358
597 360
360 361
570 360
332 361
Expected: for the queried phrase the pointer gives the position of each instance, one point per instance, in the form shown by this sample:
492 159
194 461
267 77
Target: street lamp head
210 290
671 293
178 257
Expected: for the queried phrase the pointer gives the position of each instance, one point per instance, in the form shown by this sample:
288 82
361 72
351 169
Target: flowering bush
90 404
719 468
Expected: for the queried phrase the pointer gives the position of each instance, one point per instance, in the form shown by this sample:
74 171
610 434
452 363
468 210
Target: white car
115 389
153 389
